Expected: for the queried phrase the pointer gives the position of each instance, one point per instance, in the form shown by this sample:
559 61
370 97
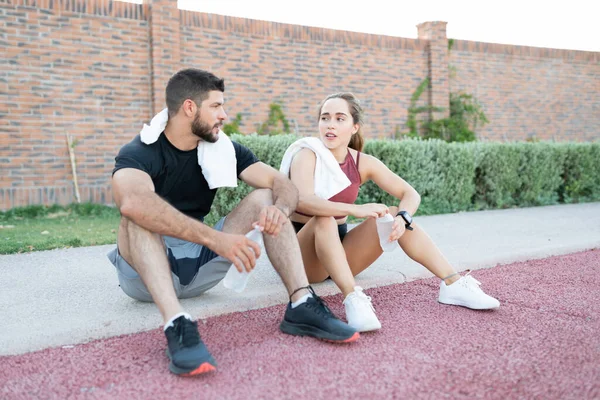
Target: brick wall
530 92
264 62
69 68
96 69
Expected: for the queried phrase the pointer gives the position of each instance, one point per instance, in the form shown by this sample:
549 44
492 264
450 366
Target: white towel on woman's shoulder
218 160
329 177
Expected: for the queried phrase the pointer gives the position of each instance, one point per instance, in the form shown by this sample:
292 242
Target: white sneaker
466 292
360 312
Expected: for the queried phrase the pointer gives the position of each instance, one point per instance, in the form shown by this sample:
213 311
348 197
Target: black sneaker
188 354
314 318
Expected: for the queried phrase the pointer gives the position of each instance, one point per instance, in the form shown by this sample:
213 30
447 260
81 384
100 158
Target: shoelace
471 283
320 306
188 333
362 298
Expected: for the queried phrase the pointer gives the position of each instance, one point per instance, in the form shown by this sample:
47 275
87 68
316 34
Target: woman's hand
374 210
398 229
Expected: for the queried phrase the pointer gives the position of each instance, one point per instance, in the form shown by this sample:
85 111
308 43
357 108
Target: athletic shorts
342 229
194 269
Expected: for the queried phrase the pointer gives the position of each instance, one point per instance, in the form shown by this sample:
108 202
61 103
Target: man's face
209 117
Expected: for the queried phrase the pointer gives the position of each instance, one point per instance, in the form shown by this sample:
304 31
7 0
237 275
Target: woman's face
336 126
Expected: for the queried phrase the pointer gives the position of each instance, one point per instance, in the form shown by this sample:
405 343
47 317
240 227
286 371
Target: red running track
543 343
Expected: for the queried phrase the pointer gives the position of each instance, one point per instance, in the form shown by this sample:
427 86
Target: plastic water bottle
234 279
384 229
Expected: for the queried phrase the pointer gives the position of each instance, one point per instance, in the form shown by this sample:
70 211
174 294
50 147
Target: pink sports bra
349 194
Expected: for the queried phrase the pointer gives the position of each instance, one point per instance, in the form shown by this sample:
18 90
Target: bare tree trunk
71 147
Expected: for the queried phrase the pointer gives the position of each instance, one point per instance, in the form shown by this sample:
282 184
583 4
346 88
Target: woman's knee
325 224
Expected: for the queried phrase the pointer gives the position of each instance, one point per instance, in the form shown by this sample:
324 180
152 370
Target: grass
35 228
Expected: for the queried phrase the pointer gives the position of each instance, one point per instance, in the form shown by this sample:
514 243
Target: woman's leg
323 256
323 253
362 249
418 246
454 289
361 245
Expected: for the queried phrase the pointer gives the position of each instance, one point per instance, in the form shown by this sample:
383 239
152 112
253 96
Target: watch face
405 216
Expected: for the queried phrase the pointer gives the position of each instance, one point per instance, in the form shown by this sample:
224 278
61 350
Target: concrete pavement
66 297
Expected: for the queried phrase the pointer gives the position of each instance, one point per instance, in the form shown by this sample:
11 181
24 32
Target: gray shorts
194 269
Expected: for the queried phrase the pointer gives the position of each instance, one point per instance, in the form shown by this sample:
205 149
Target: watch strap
406 224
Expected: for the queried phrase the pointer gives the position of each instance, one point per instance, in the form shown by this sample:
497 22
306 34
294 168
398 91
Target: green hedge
268 149
442 173
581 173
455 177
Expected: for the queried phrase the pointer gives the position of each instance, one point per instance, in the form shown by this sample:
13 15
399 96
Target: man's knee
128 227
259 199
130 234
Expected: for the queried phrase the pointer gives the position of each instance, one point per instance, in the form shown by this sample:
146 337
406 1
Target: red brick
96 69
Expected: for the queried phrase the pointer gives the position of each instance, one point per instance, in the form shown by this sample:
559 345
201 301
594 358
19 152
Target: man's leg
283 250
144 251
306 314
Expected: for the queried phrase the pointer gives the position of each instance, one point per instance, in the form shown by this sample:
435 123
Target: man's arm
263 176
134 195
285 195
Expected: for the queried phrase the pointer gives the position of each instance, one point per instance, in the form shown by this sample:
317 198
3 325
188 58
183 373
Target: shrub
442 173
269 150
453 177
497 180
581 173
540 168
276 123
233 127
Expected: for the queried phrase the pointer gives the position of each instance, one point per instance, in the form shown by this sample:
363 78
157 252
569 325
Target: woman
329 250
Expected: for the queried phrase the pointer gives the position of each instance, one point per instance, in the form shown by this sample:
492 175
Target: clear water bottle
384 229
234 279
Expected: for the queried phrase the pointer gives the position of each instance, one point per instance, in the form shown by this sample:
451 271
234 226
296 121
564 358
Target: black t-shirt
176 175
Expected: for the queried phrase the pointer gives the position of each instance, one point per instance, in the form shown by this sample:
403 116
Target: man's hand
238 249
271 219
398 229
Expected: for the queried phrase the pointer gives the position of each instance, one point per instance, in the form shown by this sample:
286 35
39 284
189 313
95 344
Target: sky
559 24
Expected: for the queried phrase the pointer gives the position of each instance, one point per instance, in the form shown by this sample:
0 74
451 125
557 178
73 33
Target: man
165 252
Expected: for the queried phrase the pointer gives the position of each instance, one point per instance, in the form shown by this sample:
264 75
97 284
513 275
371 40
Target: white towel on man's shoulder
329 177
218 160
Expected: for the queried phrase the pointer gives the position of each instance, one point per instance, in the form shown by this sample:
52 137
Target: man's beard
203 130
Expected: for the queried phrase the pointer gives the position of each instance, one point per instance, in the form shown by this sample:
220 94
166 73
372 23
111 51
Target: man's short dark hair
193 84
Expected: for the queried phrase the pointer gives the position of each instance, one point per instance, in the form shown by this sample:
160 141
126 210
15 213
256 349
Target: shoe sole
367 328
203 368
458 303
307 330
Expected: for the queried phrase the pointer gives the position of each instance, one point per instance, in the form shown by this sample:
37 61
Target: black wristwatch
407 219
